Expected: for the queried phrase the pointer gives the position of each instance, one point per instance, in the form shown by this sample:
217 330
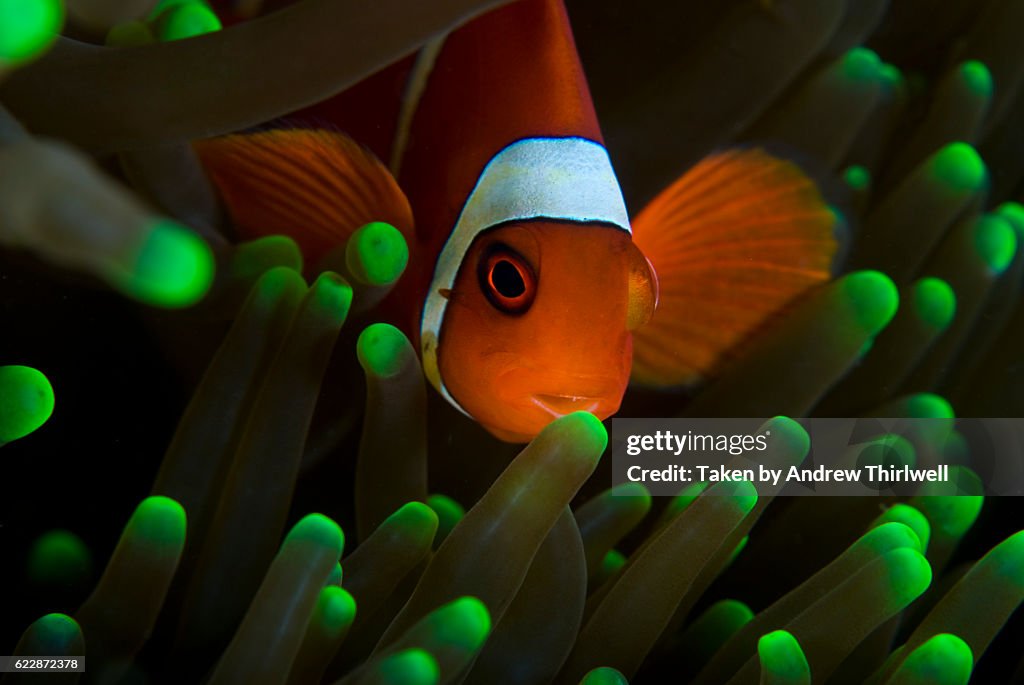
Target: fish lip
543 401
598 393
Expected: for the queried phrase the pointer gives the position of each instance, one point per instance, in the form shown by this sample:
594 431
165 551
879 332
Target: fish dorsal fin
314 185
734 241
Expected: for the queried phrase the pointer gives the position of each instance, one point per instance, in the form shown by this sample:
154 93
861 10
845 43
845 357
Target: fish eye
507 280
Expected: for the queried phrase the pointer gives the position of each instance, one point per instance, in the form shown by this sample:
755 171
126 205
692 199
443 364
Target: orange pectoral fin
314 185
734 241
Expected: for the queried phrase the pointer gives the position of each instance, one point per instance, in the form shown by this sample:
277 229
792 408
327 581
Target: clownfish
530 292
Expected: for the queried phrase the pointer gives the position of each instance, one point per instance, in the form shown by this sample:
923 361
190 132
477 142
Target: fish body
523 315
525 282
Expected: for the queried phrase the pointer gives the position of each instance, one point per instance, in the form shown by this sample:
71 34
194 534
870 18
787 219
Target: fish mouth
560 405
532 412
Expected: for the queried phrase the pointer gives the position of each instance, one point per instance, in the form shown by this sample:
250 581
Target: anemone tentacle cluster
463 560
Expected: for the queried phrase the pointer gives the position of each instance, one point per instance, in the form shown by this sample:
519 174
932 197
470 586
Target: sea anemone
467 561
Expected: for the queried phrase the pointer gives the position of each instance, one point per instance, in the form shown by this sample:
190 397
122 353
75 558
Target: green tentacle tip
448 511
382 349
685 498
604 675
185 20
943 660
789 433
55 633
890 75
589 428
962 481
782 658
258 256
634 491
934 301
160 520
336 608
130 34
377 254
889 536
874 299
409 667
59 557
738 549
977 77
713 628
959 166
928 405
164 5
26 401
414 516
612 562
276 279
272 285
857 177
28 28
724 617
888 450
743 493
861 64
910 517
910 574
1014 213
950 515
174 267
995 241
332 292
318 529
464 623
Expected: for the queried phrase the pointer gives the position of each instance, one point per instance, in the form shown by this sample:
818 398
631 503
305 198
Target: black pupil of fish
507 280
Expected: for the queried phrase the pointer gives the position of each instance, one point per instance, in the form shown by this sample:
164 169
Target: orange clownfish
530 293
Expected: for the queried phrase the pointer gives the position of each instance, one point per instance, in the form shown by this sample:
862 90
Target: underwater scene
315 317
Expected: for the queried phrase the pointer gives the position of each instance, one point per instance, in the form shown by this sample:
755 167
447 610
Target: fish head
538 324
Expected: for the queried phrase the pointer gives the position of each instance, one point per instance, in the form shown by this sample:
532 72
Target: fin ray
315 185
734 241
